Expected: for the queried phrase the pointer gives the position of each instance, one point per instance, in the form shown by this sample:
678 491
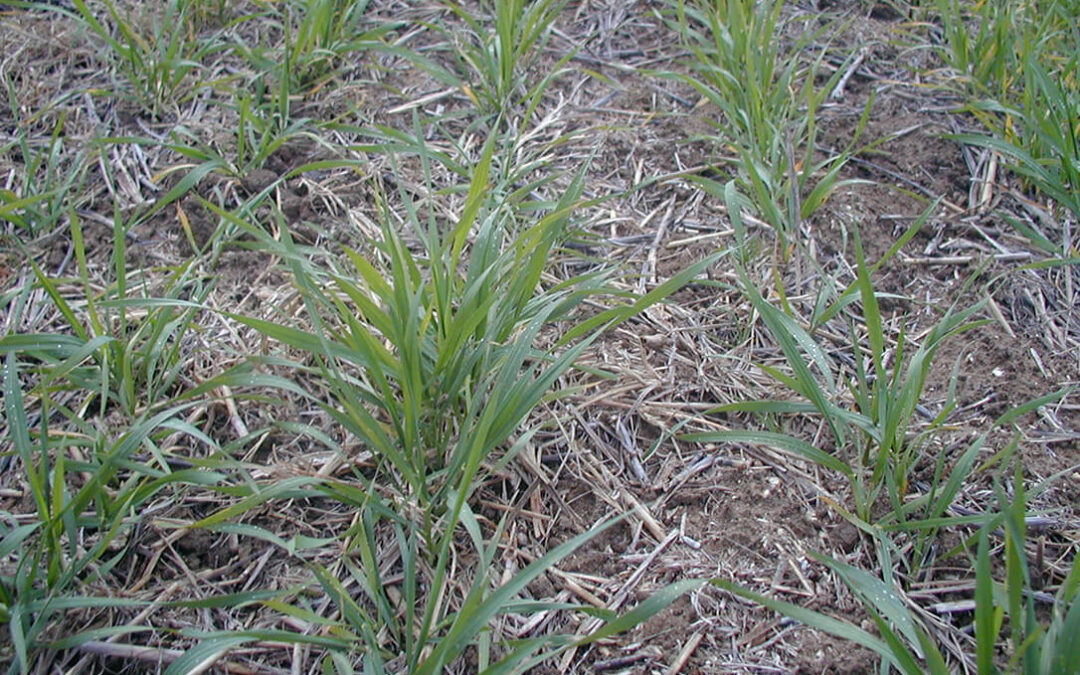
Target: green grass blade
823 622
205 654
774 440
478 611
987 617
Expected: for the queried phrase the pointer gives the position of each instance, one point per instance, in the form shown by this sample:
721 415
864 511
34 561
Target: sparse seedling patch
346 336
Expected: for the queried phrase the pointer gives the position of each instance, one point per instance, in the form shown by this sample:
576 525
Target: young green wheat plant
877 442
495 57
429 342
159 61
320 36
50 181
1036 643
1018 70
88 412
876 450
769 101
